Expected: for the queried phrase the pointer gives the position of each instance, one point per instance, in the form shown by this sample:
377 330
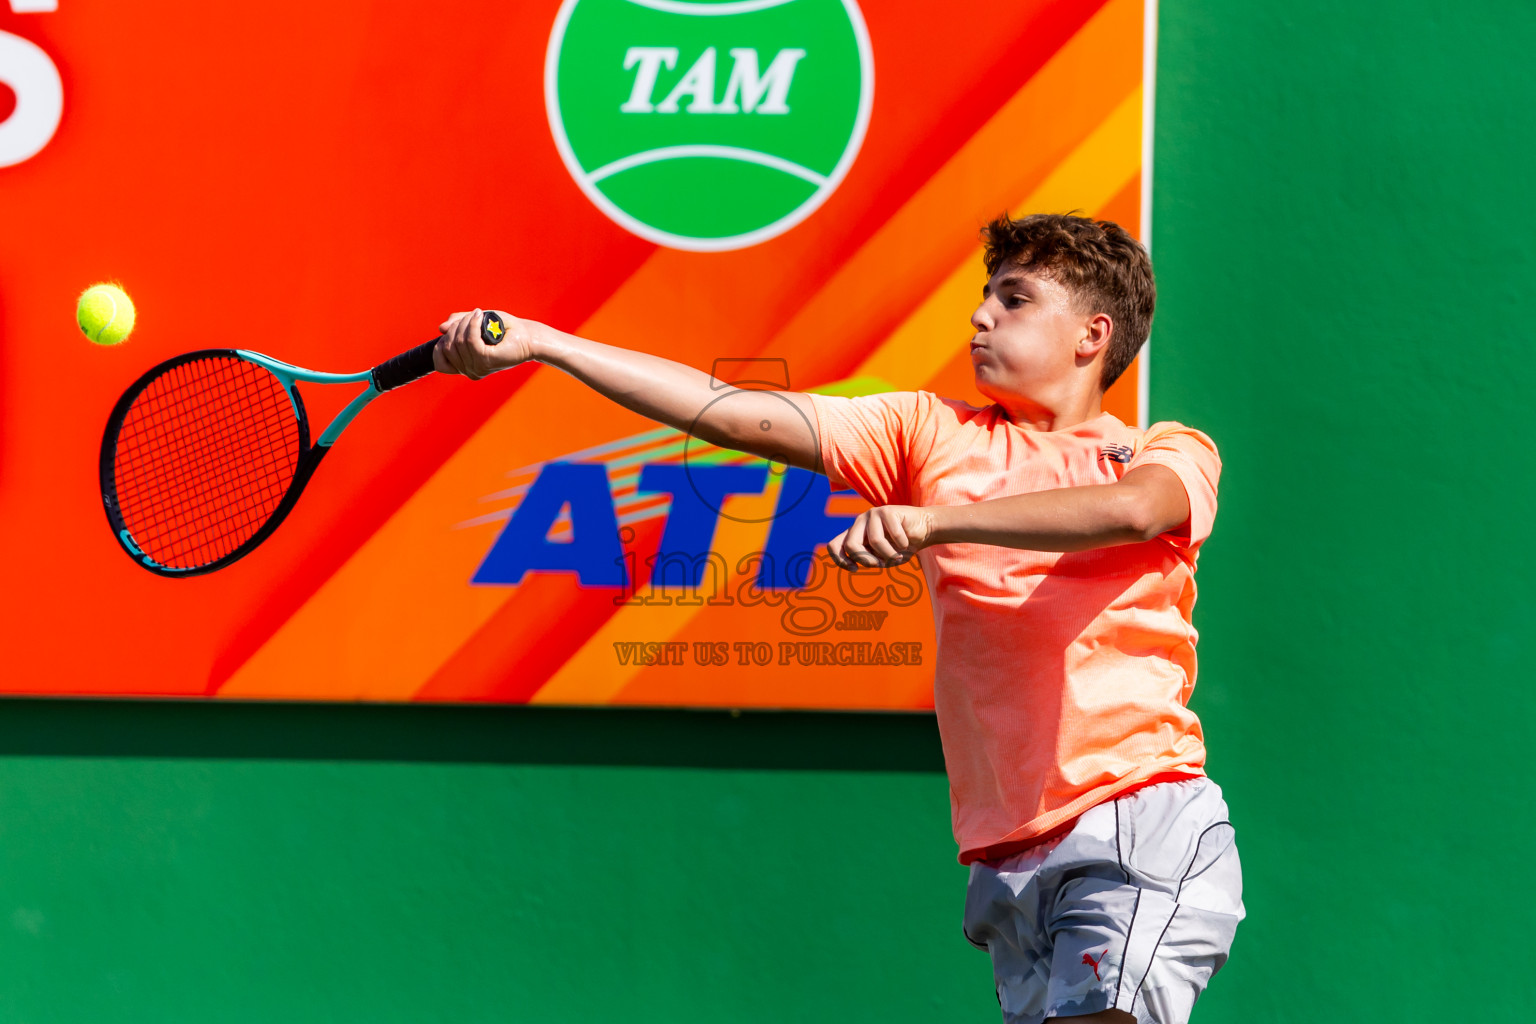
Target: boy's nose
980 319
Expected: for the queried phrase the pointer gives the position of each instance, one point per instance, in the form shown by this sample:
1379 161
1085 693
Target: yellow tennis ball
105 314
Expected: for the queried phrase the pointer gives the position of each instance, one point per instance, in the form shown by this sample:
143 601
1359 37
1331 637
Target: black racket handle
417 363
405 367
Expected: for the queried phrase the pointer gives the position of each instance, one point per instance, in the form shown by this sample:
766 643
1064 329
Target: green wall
1344 242
184 862
1344 237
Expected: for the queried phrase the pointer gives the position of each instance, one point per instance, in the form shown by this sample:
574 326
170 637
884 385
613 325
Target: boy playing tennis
1059 545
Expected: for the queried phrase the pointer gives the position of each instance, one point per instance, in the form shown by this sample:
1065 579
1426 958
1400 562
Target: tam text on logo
708 124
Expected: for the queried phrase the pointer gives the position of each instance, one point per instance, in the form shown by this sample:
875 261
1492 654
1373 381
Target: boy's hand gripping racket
205 454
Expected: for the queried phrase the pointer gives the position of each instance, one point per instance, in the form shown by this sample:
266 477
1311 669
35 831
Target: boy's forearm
659 388
1069 518
684 398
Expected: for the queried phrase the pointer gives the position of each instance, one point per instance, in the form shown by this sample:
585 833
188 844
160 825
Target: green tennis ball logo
708 124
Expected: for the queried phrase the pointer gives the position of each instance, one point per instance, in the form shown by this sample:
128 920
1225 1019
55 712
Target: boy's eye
1013 301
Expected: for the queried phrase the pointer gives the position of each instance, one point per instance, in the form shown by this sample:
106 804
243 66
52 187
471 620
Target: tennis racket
206 454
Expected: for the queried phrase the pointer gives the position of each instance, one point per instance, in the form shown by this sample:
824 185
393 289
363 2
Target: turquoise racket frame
290 375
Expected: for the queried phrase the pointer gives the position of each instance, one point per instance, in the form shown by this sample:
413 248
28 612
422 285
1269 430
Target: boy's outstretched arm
1147 501
761 423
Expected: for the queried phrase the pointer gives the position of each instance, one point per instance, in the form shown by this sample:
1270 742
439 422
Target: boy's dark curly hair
1104 268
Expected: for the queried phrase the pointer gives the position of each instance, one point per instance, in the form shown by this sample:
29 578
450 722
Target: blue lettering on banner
593 553
697 494
797 531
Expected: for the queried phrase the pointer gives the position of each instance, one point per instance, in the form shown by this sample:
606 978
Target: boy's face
1029 336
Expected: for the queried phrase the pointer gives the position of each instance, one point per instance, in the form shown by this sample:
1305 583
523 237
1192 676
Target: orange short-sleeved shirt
1061 679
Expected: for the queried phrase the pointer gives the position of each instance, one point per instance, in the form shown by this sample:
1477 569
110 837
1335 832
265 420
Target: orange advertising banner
784 192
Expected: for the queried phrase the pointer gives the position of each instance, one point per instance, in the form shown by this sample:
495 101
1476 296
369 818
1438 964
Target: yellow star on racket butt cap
492 329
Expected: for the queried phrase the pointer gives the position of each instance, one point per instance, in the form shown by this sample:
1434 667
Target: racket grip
405 367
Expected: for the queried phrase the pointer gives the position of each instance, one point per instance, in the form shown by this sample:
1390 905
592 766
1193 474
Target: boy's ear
1100 329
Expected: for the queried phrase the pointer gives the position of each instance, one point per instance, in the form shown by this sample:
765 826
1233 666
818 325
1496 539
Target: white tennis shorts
1134 909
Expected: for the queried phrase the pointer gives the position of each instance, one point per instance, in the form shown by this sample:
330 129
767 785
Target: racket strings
205 487
190 495
204 457
197 465
202 471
